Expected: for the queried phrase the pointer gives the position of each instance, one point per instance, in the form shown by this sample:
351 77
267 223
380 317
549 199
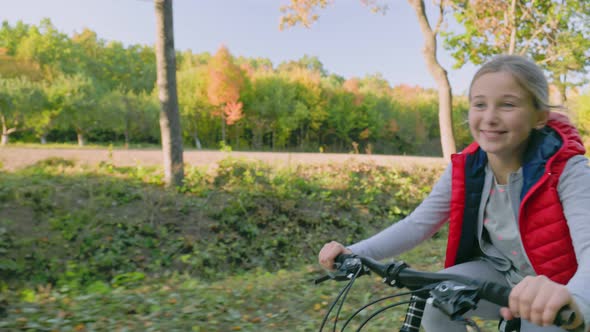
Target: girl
518 204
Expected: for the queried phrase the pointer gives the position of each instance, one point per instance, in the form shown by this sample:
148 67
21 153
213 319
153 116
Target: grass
109 249
283 300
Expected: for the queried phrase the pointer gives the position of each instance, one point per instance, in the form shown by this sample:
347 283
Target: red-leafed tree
226 80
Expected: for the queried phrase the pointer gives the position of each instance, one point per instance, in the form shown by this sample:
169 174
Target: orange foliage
225 79
352 85
233 112
247 69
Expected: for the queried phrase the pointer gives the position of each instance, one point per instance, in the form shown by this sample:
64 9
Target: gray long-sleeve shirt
434 211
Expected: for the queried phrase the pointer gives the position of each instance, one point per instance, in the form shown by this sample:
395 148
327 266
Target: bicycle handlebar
398 274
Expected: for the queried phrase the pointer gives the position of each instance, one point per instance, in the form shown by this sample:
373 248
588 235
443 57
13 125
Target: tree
49 48
225 83
195 109
271 103
309 113
79 105
58 94
302 11
19 98
169 116
553 33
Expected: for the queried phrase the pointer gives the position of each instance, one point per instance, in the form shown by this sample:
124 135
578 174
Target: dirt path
17 157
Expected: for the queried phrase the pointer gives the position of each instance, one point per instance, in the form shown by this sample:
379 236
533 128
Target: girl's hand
538 299
329 252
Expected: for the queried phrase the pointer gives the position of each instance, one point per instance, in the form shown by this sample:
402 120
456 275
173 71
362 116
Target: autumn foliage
225 82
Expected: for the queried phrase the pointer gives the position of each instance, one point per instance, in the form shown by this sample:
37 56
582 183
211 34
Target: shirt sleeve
420 225
573 188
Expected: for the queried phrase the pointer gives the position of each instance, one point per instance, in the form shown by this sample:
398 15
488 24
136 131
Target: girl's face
502 115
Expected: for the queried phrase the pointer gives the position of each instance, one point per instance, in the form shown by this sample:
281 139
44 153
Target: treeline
56 88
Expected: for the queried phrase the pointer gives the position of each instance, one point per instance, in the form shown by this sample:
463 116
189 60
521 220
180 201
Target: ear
541 118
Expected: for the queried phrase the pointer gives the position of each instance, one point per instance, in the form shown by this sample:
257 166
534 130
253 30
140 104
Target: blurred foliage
88 89
107 247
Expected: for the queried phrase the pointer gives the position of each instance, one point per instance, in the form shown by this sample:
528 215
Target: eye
478 105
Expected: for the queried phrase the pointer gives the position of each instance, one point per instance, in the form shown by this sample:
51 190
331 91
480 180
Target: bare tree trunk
223 127
169 115
4 131
512 14
196 135
445 97
80 136
197 141
127 130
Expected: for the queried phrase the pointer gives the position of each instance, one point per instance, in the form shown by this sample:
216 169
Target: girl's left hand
538 299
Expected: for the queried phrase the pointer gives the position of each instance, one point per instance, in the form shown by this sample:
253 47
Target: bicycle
452 294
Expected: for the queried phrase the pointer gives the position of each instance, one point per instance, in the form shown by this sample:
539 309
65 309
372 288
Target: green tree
553 33
49 48
11 37
303 11
79 106
57 92
272 97
19 99
195 109
309 110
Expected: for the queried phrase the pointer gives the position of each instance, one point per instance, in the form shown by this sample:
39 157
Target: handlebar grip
565 316
499 295
495 293
342 257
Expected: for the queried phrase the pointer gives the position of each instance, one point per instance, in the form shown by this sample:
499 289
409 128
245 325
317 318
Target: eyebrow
503 96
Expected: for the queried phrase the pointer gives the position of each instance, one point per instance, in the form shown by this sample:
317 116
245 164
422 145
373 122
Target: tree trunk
169 115
43 139
196 135
126 138
4 131
562 89
512 15
80 136
445 97
127 129
197 141
222 127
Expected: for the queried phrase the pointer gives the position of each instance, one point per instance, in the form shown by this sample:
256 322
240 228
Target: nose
490 115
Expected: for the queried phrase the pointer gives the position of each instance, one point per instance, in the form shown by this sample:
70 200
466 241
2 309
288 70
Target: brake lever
455 299
345 270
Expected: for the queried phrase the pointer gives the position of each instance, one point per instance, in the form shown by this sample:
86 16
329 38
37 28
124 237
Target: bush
72 226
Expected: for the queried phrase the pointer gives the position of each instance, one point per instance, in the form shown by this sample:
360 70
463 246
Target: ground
12 158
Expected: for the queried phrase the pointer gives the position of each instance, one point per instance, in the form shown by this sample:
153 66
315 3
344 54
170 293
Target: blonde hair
525 72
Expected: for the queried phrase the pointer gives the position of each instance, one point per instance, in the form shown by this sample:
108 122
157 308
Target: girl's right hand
329 252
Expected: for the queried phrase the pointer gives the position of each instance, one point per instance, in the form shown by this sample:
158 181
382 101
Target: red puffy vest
543 227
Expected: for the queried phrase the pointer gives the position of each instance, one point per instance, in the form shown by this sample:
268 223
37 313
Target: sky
348 38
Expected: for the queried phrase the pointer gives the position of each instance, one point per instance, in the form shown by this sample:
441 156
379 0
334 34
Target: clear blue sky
348 39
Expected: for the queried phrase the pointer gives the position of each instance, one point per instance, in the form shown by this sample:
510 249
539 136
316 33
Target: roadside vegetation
107 248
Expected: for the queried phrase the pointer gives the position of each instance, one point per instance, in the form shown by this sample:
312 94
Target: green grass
283 300
110 249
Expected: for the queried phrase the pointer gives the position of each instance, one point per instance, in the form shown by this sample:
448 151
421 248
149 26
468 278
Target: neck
503 167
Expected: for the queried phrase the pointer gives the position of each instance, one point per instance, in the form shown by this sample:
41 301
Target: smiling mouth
492 133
